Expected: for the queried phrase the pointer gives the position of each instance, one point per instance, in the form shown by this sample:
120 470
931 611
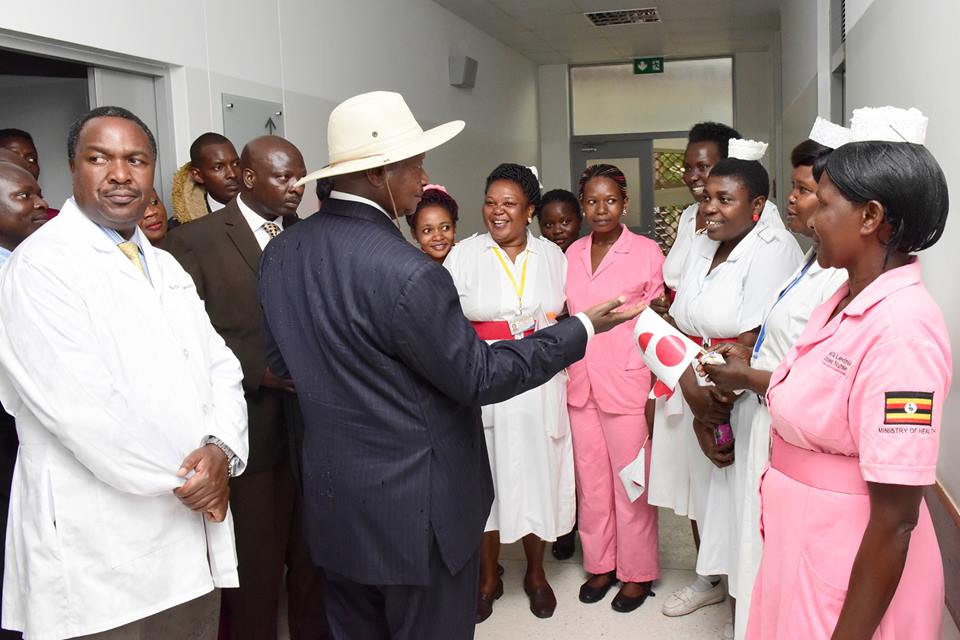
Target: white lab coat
113 380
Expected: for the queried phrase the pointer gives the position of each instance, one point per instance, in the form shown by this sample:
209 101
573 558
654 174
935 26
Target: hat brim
429 139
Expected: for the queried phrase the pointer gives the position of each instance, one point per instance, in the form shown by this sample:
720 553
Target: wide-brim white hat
376 129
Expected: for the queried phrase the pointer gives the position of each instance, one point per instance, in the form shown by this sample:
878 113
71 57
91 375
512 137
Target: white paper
633 476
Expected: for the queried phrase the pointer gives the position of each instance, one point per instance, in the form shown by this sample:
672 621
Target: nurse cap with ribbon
889 124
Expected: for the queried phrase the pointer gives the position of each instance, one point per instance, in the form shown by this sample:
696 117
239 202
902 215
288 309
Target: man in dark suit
221 252
391 377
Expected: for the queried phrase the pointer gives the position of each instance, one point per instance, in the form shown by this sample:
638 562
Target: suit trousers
267 513
443 610
616 534
193 620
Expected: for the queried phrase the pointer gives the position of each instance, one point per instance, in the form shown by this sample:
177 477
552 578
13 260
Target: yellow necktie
132 251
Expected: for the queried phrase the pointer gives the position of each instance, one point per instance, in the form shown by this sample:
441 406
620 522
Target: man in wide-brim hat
391 377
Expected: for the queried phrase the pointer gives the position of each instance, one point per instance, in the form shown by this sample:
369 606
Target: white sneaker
686 600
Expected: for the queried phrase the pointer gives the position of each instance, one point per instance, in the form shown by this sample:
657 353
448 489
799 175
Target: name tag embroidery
837 362
908 407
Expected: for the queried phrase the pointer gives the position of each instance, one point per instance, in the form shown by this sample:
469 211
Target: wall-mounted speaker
463 71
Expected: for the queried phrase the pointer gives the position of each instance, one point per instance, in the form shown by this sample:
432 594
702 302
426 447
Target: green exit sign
643 66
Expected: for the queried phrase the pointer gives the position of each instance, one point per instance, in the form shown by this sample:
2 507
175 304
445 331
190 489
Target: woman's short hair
750 172
438 198
810 153
562 196
714 132
903 177
603 171
519 175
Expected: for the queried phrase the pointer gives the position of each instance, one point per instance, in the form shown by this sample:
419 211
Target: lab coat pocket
48 507
816 604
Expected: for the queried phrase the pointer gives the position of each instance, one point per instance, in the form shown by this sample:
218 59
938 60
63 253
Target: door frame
623 145
170 90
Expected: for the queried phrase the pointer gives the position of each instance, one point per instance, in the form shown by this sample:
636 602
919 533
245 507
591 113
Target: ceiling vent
623 16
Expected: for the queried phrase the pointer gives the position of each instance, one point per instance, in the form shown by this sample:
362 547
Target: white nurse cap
829 134
746 149
890 124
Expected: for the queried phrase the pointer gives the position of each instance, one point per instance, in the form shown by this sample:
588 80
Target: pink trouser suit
606 396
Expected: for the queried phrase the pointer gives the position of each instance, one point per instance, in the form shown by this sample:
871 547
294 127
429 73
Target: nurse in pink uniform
607 396
856 406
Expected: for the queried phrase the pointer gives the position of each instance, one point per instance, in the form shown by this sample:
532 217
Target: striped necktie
132 251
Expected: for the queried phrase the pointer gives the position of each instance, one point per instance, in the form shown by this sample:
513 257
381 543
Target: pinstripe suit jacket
390 376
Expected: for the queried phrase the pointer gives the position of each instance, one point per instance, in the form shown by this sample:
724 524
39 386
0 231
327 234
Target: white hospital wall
45 107
805 74
310 55
895 56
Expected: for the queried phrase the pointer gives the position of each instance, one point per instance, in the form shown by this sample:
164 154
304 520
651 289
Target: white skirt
753 464
730 533
679 472
531 459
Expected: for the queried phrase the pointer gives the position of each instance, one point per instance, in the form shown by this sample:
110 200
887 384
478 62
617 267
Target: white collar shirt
213 205
258 224
341 195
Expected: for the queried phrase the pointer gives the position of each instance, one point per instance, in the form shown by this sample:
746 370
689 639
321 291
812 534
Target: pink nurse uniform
858 399
606 395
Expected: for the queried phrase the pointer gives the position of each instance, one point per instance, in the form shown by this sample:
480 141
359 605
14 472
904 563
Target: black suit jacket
221 254
391 377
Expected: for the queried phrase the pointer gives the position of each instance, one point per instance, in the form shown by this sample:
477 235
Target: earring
530 219
624 214
756 217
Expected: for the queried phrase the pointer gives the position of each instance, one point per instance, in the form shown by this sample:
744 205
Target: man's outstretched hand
607 315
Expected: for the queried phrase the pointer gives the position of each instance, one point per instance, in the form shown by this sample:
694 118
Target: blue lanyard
783 294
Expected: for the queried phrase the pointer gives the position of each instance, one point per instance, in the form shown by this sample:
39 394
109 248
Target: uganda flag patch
908 407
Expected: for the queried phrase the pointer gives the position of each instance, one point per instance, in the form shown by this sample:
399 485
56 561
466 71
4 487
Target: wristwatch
232 460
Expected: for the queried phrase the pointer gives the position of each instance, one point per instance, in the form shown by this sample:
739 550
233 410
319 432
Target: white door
138 93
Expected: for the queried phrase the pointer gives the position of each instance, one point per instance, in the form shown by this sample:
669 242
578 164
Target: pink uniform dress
858 399
606 396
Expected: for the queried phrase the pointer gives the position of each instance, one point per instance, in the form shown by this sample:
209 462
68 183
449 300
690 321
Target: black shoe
564 547
590 594
543 602
485 602
625 604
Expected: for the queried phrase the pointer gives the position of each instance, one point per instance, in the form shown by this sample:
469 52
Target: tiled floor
512 620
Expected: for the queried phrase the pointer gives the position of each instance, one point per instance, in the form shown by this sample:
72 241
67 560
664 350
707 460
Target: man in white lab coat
119 523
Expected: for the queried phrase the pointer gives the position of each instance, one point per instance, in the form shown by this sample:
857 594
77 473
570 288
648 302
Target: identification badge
521 324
